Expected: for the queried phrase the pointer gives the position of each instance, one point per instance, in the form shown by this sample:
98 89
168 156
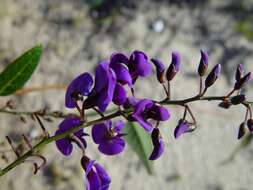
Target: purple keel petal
114 146
118 58
158 150
94 180
104 177
120 94
81 85
64 146
122 74
158 113
100 132
182 128
146 125
119 125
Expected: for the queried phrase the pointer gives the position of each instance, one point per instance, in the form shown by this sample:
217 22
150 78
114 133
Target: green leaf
140 141
15 75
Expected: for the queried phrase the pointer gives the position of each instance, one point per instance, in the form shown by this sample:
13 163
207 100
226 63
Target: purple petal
139 65
94 180
145 124
213 75
120 94
122 74
239 72
243 81
182 127
100 132
140 107
119 125
64 145
80 85
217 70
104 177
158 113
114 146
158 64
158 150
118 58
102 93
130 102
204 57
68 123
175 60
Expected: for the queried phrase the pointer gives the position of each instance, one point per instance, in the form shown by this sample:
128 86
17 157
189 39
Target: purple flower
118 63
158 144
138 65
239 72
174 66
109 138
182 127
145 109
79 87
203 64
242 82
160 70
64 145
96 178
213 75
102 93
120 95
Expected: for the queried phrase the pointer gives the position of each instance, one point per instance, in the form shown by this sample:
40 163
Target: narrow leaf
15 75
140 141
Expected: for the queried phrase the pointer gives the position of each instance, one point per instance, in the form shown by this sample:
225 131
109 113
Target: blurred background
76 34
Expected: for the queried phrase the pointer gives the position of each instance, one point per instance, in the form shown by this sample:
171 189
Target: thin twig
42 88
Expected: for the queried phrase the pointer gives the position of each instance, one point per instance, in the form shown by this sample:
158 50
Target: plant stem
46 140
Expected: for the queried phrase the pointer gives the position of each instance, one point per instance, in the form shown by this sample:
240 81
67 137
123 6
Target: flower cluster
114 83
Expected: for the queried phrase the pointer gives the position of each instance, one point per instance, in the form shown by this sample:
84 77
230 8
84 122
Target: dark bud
160 70
225 104
242 131
239 72
213 75
174 66
155 136
10 104
250 125
243 81
203 63
238 99
22 119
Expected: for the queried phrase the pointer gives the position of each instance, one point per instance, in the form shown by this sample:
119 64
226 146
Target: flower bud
239 72
174 66
250 125
203 64
225 104
213 75
238 99
243 81
241 131
182 127
160 70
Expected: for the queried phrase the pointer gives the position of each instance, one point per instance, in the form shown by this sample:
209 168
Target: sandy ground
74 42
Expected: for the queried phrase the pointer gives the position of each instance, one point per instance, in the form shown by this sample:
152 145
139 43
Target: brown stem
42 88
